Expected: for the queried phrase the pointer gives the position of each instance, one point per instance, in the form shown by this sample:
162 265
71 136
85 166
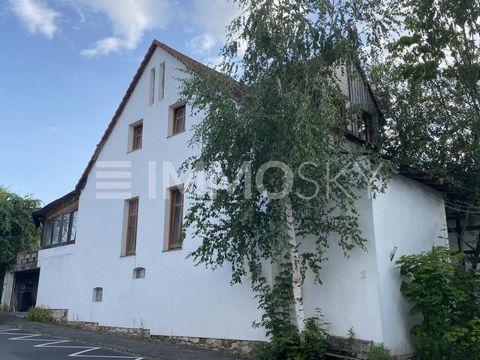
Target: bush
379 352
447 296
311 344
40 314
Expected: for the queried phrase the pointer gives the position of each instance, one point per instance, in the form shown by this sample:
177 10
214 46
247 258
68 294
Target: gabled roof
186 60
191 64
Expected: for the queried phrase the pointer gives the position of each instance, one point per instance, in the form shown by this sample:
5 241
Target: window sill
134 150
57 245
172 249
178 133
127 256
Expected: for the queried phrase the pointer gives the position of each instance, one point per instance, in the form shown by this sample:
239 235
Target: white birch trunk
296 273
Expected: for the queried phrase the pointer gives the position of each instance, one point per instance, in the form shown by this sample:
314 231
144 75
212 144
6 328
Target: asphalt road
24 345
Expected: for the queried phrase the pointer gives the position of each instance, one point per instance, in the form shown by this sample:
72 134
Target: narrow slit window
152 86
137 134
178 120
161 81
131 233
176 219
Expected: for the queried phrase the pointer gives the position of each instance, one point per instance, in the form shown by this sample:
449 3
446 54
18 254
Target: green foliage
4 308
447 296
283 108
40 314
17 230
428 88
311 344
379 352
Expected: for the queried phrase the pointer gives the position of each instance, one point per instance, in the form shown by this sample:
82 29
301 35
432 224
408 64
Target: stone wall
26 261
241 347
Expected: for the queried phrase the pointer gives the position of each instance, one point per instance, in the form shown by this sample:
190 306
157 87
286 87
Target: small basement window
139 273
97 294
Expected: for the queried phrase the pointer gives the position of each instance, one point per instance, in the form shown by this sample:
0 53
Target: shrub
379 352
40 314
311 344
447 296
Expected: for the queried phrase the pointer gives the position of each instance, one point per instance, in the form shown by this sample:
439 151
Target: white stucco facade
175 297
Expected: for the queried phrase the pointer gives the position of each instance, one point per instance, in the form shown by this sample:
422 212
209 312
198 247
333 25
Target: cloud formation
36 16
211 17
130 21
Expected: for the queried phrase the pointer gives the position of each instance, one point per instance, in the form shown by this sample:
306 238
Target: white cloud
130 20
103 47
36 16
202 44
211 17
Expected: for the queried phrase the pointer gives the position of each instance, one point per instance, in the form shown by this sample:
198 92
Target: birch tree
276 105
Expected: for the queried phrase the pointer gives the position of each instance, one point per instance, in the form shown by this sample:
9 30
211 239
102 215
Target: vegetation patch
379 352
447 297
40 314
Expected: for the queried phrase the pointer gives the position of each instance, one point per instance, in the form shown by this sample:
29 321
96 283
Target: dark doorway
26 285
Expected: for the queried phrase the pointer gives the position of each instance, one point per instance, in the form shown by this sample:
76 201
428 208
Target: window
60 230
132 219
176 219
152 86
137 135
139 273
161 81
97 294
178 120
73 226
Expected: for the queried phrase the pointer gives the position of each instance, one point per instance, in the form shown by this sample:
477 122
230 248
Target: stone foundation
242 347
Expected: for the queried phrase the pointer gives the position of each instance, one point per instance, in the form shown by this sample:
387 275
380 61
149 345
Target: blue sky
64 68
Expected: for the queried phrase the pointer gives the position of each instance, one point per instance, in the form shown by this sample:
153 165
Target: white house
110 253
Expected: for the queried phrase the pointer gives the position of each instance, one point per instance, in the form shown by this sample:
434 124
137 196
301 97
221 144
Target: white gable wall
175 298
